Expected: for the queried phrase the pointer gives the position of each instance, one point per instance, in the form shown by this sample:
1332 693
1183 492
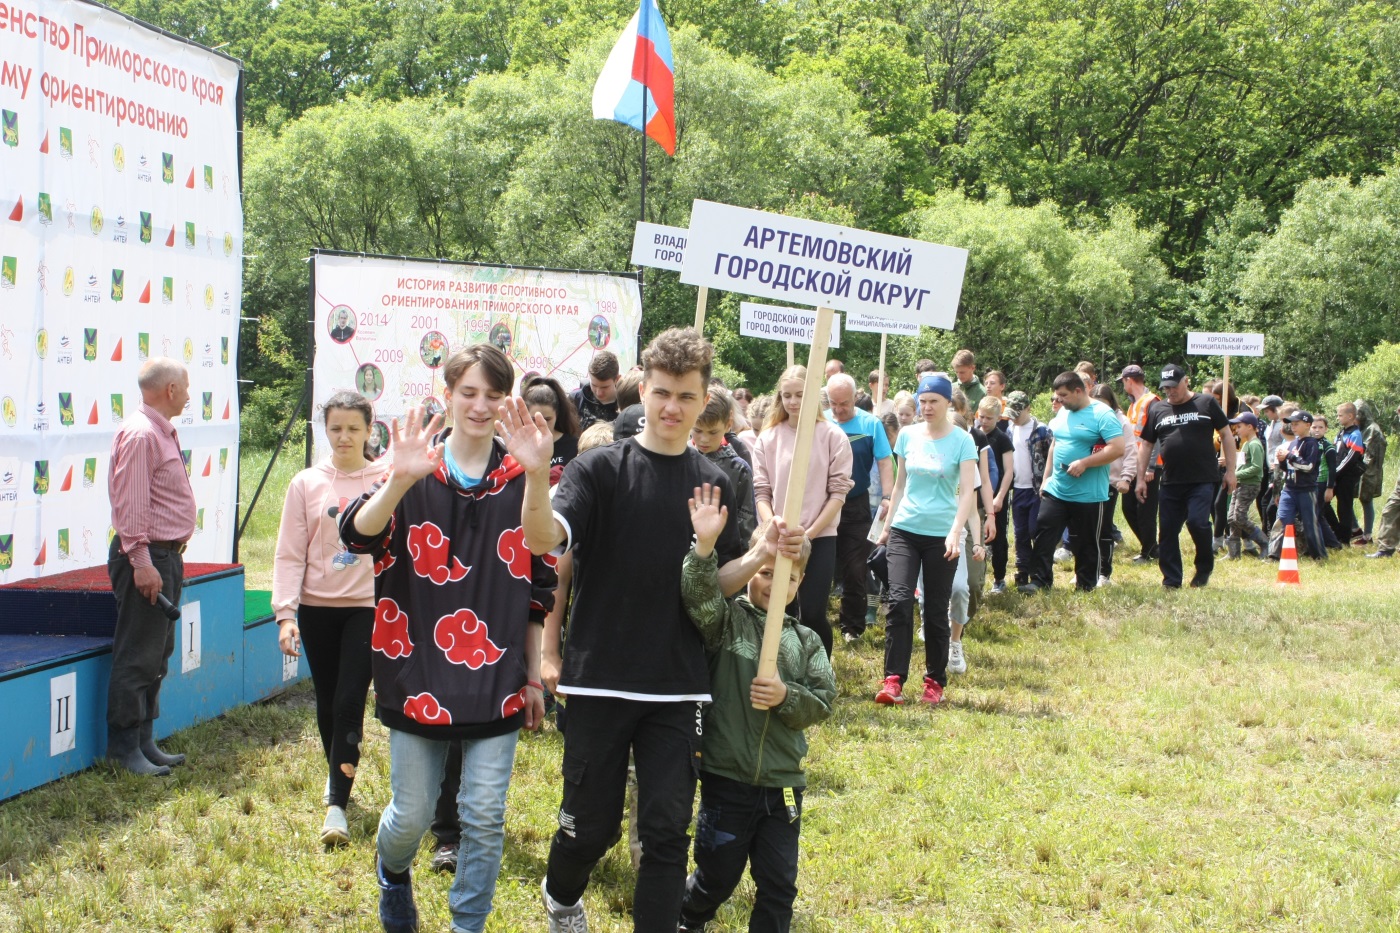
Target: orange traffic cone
1288 561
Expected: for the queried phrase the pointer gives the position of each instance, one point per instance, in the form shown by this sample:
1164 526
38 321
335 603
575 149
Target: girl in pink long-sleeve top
324 596
828 481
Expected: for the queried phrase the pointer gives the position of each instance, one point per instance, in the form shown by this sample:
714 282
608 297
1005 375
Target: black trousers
1105 549
1186 504
908 554
1083 520
1345 501
815 591
1001 551
446 826
144 639
664 738
336 642
852 551
1142 516
741 824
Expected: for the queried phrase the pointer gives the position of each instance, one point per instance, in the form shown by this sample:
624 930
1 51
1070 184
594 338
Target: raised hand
415 455
707 517
527 436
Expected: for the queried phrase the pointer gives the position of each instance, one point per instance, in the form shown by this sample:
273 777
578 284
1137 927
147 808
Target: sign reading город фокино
823 265
775 322
1201 343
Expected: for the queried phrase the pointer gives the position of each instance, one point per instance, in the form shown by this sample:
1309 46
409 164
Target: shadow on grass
222 754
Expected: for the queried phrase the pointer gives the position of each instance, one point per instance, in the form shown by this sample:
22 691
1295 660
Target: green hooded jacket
1373 436
760 747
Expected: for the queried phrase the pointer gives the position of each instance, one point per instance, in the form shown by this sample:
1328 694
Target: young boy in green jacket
1249 474
751 777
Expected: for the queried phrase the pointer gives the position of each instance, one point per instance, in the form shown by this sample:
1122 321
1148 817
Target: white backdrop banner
121 238
386 327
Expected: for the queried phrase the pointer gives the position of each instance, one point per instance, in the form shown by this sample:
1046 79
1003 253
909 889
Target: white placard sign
807 262
881 325
659 246
1200 343
289 668
776 322
191 634
63 717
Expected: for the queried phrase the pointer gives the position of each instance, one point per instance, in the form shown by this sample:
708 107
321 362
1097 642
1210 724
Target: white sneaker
562 919
335 831
1063 554
1105 581
957 661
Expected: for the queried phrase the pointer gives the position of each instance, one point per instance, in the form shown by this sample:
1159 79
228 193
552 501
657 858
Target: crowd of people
473 576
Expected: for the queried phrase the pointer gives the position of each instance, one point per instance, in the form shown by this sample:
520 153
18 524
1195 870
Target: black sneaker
397 912
1199 581
1143 559
1382 552
445 859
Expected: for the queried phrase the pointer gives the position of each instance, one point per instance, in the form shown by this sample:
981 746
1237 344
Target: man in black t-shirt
634 670
1185 422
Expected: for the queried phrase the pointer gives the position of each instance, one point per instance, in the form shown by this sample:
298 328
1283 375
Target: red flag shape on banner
170 240
67 481
190 183
18 213
145 294
92 415
44 146
116 358
43 555
226 404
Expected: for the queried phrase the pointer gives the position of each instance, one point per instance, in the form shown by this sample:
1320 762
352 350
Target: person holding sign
934 495
635 671
823 497
750 791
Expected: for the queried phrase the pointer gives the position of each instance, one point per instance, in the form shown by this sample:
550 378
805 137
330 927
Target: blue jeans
1025 512
1298 507
415 777
1186 504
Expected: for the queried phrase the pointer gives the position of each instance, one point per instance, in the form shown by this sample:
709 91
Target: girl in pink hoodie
324 596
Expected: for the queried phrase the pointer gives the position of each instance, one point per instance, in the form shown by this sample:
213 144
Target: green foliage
1322 286
1042 293
1375 378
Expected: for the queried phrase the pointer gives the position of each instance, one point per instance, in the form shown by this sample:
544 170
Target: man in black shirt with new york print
634 672
1185 423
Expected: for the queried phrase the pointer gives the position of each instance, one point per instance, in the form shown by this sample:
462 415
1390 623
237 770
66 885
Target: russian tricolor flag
641 60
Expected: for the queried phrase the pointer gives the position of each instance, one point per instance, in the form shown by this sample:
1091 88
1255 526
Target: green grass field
1128 760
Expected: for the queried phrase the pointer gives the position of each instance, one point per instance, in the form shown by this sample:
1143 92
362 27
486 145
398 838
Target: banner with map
385 327
121 238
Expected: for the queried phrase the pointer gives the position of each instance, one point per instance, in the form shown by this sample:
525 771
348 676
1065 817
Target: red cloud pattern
464 639
429 548
390 637
511 549
513 704
426 709
384 563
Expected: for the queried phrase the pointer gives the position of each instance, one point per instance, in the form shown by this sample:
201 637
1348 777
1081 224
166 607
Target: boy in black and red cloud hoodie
459 607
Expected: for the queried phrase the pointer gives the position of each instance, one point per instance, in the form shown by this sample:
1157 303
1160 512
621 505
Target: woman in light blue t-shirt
933 499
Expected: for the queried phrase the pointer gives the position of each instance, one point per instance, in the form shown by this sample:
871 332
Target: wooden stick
790 356
1225 390
702 296
880 379
796 484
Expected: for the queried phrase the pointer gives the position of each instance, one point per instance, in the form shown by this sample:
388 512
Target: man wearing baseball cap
1297 502
1030 450
1141 515
1185 422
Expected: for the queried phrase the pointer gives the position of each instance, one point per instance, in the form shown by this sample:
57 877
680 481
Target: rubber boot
123 750
152 752
1232 547
1261 539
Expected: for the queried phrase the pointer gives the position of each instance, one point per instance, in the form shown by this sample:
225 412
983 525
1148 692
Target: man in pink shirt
153 513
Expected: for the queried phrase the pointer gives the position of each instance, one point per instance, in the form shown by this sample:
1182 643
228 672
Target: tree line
1121 172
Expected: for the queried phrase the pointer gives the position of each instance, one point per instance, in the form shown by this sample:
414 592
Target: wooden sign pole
880 379
701 298
791 359
1225 390
796 484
